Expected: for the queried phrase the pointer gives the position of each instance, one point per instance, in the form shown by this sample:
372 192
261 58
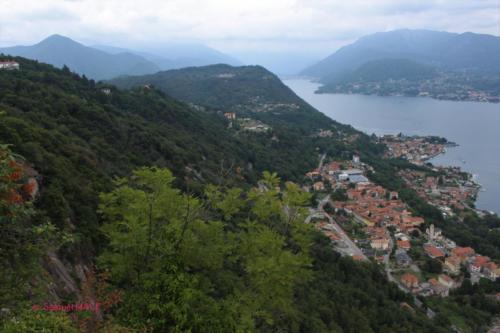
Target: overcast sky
313 27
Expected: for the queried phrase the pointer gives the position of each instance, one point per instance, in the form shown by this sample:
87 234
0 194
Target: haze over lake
474 126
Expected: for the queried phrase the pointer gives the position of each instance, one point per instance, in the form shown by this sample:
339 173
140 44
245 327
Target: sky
306 30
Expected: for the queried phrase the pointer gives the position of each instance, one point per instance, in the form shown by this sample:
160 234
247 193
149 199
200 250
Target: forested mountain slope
176 252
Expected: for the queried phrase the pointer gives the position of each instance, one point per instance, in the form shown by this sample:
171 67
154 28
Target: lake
475 127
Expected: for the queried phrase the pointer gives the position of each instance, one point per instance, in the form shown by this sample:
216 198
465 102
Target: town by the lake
369 222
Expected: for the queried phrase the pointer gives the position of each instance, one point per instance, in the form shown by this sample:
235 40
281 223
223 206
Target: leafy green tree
185 271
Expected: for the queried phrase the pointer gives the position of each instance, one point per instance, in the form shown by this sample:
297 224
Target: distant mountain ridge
106 62
450 51
58 50
177 55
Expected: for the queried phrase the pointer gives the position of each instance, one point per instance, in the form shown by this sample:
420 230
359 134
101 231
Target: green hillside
183 240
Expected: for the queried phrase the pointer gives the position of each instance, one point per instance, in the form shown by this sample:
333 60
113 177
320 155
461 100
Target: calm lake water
474 126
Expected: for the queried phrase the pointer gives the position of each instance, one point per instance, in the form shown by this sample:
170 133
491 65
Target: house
393 195
463 252
409 280
319 186
402 258
354 172
230 115
438 288
404 244
433 251
355 159
358 179
343 176
452 264
9 65
446 281
380 243
106 91
313 174
477 265
411 221
491 271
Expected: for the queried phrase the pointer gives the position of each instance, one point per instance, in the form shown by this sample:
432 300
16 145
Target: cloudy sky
308 28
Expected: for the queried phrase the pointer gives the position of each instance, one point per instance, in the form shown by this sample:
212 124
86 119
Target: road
321 160
351 248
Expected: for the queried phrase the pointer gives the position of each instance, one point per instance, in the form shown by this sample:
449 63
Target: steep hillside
81 135
217 85
241 264
249 91
95 64
79 138
178 254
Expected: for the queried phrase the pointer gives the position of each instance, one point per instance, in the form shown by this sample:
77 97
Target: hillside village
364 220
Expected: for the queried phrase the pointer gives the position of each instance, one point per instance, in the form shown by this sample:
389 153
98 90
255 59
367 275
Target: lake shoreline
475 127
322 92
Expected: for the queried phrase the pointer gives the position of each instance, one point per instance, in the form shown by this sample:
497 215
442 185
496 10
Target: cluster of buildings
455 257
370 205
253 125
246 124
261 104
454 260
447 86
439 286
338 175
388 227
415 149
9 65
452 188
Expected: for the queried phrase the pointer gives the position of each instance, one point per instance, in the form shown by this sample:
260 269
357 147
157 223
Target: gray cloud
315 27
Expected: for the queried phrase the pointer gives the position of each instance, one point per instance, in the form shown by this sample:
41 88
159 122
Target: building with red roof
409 280
433 251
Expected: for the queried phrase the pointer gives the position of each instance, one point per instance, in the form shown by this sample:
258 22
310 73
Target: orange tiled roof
433 251
480 261
409 279
463 251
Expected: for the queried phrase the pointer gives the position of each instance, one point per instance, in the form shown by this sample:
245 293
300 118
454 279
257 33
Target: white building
9 65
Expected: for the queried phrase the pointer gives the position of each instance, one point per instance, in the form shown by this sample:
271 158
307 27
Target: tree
183 270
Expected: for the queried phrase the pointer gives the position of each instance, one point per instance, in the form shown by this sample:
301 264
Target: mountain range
106 62
443 50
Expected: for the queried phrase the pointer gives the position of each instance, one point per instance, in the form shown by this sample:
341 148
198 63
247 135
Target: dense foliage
237 261
78 138
219 86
